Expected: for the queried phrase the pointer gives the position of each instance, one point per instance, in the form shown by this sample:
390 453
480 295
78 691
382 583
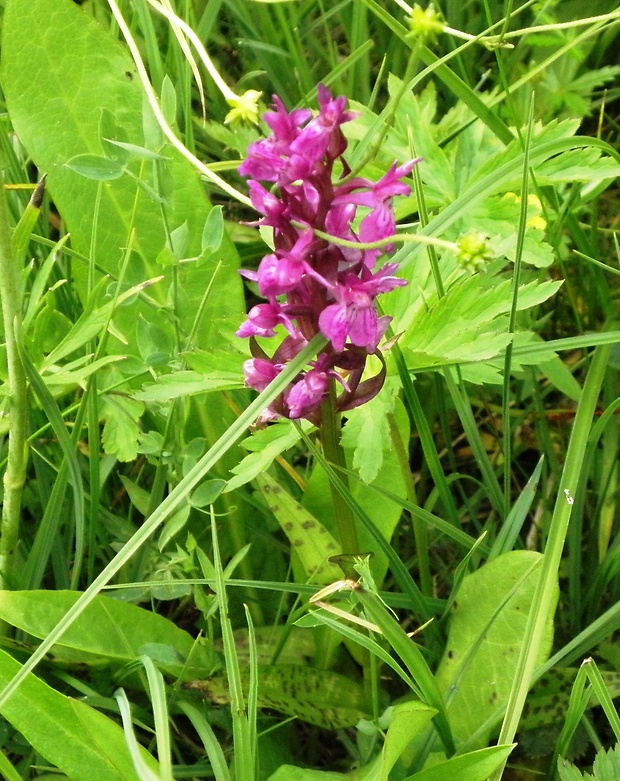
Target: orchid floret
314 284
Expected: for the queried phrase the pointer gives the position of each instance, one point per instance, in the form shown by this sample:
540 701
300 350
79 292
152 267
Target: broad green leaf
548 701
106 628
475 766
320 697
310 540
409 719
486 631
96 167
276 645
207 493
78 740
59 79
292 772
139 497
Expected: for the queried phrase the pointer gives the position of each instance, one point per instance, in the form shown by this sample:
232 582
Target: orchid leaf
311 541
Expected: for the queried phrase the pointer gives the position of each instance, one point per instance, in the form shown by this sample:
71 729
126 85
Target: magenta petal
277 276
284 125
307 394
329 287
259 373
333 323
363 327
262 320
377 225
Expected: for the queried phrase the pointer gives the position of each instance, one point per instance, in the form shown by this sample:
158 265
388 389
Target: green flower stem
332 449
15 473
397 238
420 530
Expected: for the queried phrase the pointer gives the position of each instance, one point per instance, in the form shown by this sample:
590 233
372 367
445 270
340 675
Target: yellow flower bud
473 251
425 22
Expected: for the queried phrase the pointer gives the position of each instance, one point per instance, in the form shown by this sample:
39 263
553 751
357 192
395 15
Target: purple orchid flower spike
313 284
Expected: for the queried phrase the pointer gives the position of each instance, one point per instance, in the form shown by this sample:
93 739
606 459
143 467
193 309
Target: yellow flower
534 220
244 108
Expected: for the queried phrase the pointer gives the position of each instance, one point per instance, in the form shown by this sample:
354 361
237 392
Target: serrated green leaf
535 252
606 765
266 444
469 323
120 429
568 772
367 433
187 383
577 165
